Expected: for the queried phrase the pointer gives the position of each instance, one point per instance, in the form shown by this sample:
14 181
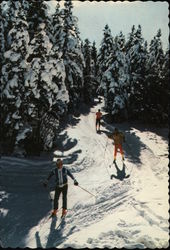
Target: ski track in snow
132 213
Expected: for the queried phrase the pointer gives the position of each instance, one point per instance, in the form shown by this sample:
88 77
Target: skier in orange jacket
118 138
98 118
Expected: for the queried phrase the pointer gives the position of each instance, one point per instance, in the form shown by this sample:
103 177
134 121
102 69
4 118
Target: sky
120 16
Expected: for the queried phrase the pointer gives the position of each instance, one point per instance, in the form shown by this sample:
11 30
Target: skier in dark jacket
60 173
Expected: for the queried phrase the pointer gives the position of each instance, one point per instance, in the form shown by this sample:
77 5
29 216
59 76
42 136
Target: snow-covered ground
132 213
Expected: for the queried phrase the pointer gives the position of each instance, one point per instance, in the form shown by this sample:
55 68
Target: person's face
59 164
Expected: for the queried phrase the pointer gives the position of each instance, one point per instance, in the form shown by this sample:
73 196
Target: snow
22 135
12 55
132 213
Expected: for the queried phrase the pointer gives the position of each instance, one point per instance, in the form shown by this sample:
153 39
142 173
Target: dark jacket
65 172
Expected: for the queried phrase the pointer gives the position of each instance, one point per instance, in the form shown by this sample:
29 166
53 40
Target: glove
45 183
75 183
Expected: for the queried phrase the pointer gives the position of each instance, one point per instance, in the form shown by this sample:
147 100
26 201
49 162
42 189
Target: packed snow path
130 213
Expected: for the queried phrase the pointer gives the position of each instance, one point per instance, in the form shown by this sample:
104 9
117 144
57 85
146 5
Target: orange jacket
98 115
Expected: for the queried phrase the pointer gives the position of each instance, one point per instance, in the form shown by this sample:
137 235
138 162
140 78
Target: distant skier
98 119
118 138
60 173
120 173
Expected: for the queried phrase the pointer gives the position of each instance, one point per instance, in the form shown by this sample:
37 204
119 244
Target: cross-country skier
98 118
60 173
118 138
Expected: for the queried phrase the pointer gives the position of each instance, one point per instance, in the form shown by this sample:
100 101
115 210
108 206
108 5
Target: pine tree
72 56
115 80
57 29
88 77
155 81
14 101
45 79
94 59
137 58
165 90
2 38
104 51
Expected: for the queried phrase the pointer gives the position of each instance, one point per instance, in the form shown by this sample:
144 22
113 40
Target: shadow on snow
55 237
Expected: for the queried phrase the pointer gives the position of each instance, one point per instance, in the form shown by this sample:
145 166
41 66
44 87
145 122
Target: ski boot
64 212
54 212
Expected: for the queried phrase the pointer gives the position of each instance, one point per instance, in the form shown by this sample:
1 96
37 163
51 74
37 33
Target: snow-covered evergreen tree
105 50
115 80
156 94
46 79
94 59
165 90
72 55
14 100
2 38
89 78
137 57
2 50
57 29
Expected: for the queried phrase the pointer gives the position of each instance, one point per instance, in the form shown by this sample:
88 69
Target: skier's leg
99 124
56 197
96 124
121 151
115 152
64 192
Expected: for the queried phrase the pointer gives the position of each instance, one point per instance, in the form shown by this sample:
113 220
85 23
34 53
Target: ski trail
129 213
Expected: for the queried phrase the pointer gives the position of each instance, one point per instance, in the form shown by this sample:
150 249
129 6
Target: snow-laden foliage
2 30
94 59
137 56
46 78
157 91
72 55
90 81
133 77
105 49
14 98
115 80
57 28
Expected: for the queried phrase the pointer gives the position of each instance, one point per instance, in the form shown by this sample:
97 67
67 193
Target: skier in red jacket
98 118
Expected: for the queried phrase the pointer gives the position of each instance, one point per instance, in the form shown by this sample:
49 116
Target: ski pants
98 122
118 146
58 191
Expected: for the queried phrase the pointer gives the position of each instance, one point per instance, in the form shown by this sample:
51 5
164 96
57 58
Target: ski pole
106 146
104 156
86 191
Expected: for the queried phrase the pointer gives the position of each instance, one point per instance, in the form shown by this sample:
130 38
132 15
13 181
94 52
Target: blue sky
120 16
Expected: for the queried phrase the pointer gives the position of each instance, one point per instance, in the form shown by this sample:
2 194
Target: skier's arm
72 177
48 178
127 176
51 174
